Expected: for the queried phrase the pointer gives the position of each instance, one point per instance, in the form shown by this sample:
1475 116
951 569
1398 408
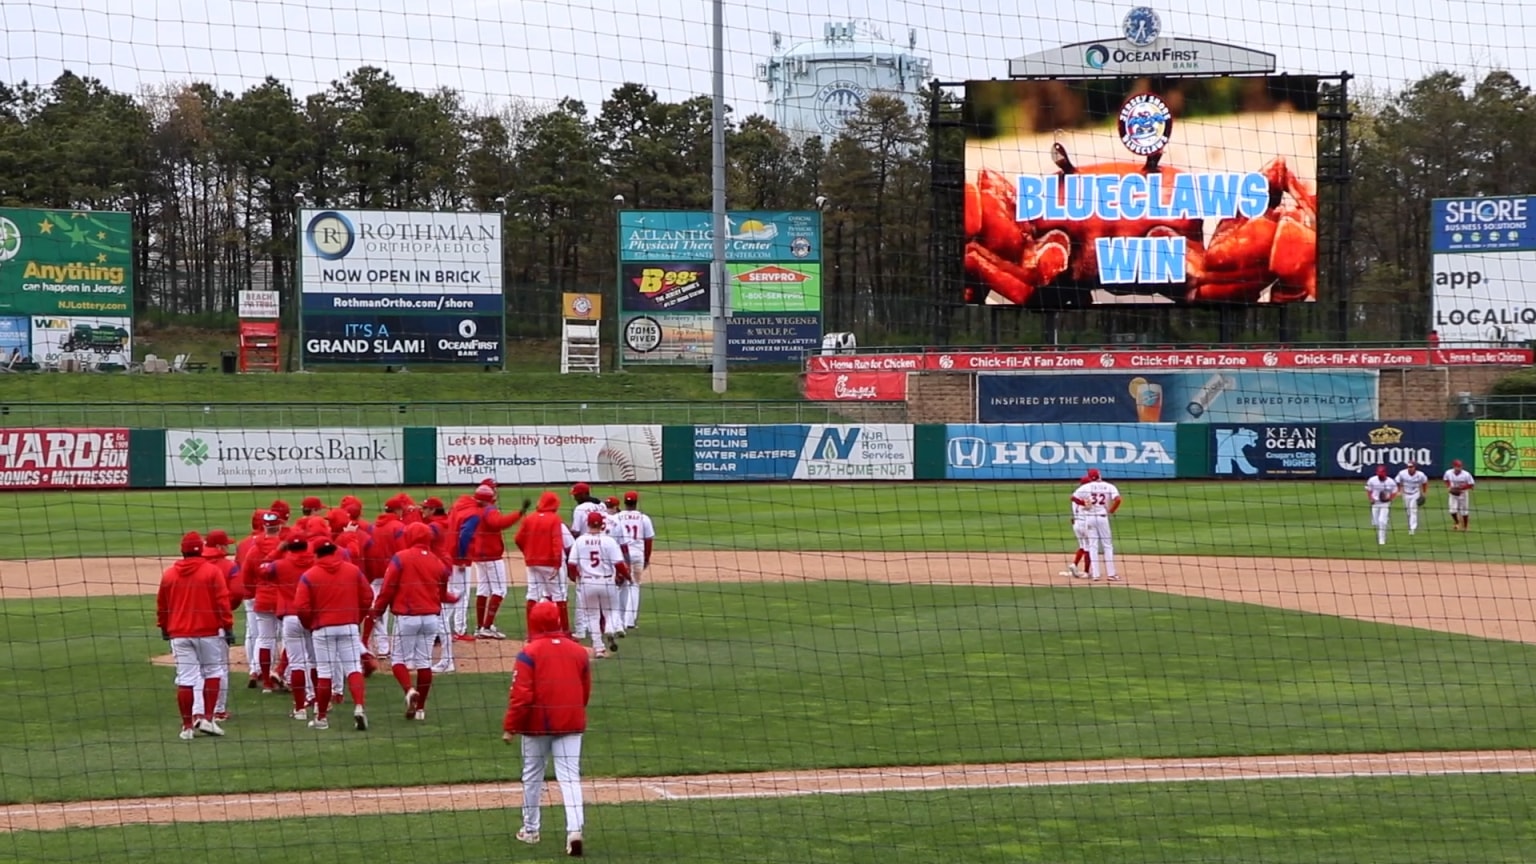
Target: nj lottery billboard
388 286
1483 269
1134 191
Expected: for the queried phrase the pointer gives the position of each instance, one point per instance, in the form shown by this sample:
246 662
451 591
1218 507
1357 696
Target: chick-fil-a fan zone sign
1093 361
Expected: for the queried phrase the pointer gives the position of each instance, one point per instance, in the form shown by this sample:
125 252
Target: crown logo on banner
1386 435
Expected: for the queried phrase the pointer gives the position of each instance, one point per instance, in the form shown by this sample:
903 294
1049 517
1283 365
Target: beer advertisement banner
63 458
62 263
1355 449
1246 396
1139 190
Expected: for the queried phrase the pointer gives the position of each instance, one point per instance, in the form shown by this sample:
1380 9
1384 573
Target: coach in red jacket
547 705
192 609
216 552
332 598
263 589
488 550
543 539
415 589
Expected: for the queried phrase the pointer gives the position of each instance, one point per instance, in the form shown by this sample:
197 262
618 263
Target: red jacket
460 530
552 681
285 573
487 543
541 537
333 593
262 589
382 544
440 541
416 580
231 573
193 600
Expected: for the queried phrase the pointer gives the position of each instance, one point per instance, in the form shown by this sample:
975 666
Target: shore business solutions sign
773 276
1483 266
66 284
397 287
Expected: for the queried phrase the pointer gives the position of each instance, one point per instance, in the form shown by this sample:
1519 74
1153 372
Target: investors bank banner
399 287
1251 396
283 457
773 279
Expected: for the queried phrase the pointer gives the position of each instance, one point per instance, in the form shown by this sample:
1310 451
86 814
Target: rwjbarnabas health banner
283 457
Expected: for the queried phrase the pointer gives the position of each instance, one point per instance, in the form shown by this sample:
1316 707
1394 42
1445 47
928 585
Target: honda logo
967 452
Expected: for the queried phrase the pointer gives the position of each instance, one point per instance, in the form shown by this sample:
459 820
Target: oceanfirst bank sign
383 286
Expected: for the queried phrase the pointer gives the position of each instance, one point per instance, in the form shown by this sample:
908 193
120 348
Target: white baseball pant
456 615
1101 544
493 579
252 663
222 704
566 751
1460 505
382 628
197 660
629 595
1412 502
413 640
267 630
1381 517
599 607
336 652
546 583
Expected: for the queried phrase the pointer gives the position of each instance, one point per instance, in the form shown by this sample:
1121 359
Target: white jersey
566 537
1377 485
1097 496
1077 511
635 528
1411 483
579 518
594 556
1459 477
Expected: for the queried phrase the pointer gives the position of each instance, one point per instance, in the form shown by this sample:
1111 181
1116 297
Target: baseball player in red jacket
331 599
216 552
284 573
192 610
479 532
242 550
547 705
543 540
415 589
263 589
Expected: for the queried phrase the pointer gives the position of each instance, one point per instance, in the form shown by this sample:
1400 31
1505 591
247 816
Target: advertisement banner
1355 449
1269 396
772 338
1111 191
530 455
64 262
15 338
1059 451
775 288
1169 360
581 306
665 287
856 386
63 458
688 235
333 456
1482 224
667 338
1485 296
255 305
314 305
98 340
803 452
403 339
1506 448
1261 450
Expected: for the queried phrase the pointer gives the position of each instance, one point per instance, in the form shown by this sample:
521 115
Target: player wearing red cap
1082 560
1098 501
543 539
216 552
639 541
331 599
488 549
242 550
436 514
595 562
383 542
415 588
1458 487
263 590
312 506
581 493
298 556
192 611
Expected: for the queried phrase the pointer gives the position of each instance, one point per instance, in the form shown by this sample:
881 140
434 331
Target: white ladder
580 350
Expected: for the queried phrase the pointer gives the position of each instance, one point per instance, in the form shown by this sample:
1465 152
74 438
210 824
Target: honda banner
1059 451
63 458
1168 360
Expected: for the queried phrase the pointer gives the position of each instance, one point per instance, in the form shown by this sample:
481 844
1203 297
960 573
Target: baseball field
890 673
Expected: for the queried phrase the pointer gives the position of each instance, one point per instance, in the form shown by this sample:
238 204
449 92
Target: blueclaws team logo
1145 124
1232 451
1142 26
330 235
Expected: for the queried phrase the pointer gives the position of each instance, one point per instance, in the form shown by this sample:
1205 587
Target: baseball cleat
360 718
612 643
573 844
529 837
410 703
492 633
421 714
187 734
253 683
208 727
320 724
221 716
463 637
300 715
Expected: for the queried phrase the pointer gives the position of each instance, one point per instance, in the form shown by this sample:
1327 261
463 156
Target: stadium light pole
719 296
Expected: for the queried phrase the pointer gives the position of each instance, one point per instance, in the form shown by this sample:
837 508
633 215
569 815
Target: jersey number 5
596 559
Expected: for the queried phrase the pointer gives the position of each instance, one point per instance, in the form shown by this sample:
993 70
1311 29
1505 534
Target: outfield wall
621 454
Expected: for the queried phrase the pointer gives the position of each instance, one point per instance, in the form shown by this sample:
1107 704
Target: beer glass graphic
1149 400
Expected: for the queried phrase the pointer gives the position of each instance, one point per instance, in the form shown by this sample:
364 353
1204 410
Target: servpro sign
63 458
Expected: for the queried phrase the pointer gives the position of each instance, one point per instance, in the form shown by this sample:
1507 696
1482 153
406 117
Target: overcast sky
492 49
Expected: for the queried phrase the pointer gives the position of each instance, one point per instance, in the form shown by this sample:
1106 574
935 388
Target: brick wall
941 397
1431 394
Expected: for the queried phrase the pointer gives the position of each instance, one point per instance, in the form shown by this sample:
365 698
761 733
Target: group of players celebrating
328 593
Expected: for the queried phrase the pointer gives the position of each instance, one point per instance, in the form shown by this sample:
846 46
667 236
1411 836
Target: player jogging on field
331 599
547 705
415 589
639 537
1411 486
192 610
595 562
1458 487
1380 490
1099 500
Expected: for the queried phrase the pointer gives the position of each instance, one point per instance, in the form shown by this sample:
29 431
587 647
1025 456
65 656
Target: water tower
816 86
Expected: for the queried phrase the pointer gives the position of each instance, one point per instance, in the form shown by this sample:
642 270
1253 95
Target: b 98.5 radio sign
665 287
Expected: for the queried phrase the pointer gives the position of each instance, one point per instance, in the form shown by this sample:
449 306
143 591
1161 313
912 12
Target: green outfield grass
412 399
779 675
1311 519
1486 819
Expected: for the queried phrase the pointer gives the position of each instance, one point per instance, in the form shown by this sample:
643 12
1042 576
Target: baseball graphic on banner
632 454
